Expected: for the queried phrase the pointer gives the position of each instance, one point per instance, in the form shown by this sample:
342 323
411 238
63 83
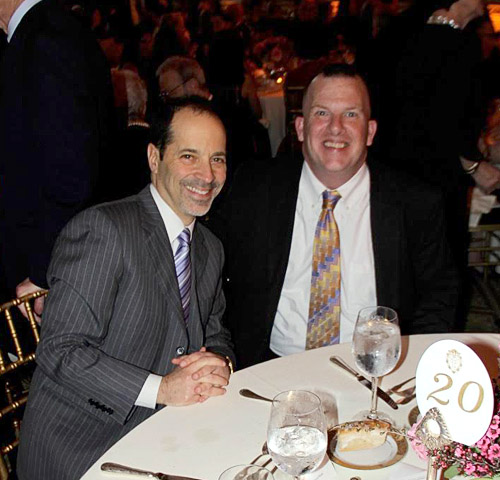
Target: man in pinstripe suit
117 340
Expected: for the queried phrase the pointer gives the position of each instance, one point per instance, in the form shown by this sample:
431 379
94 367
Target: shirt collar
18 15
173 224
352 193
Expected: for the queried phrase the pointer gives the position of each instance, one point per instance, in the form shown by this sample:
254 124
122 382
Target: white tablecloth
203 440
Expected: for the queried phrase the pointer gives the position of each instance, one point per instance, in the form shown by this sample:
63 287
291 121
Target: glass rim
394 314
312 395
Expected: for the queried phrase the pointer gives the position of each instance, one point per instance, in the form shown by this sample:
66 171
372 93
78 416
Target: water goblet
376 347
296 433
246 472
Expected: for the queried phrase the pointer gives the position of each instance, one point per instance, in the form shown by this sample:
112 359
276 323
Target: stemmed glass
246 472
296 434
376 347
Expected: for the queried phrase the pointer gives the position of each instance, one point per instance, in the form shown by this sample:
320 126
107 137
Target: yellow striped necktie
323 326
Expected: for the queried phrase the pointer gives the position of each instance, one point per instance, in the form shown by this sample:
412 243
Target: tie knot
184 237
330 199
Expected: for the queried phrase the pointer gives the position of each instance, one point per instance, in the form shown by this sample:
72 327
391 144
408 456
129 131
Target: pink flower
469 469
485 442
494 430
416 444
459 451
494 452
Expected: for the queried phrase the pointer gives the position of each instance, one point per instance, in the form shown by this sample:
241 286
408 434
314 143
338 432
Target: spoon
265 452
245 392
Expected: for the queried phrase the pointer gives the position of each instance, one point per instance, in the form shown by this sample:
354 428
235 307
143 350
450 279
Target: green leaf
451 472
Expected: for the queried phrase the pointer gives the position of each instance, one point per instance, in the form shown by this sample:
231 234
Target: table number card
453 379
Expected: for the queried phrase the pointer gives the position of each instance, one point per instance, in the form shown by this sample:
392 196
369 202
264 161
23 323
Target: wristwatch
229 364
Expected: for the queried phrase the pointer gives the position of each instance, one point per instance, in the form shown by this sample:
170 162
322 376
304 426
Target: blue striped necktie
182 262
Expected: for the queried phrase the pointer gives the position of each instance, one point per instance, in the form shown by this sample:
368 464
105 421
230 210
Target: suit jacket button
180 351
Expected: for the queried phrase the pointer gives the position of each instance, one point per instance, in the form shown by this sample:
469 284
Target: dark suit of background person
114 316
55 107
431 110
413 272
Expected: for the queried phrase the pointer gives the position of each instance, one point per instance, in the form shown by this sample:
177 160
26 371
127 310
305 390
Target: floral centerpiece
274 53
481 460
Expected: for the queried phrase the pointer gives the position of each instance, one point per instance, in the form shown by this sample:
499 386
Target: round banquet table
203 440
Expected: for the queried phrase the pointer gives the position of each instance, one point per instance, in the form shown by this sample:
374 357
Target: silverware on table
396 389
245 392
264 452
364 381
407 399
122 469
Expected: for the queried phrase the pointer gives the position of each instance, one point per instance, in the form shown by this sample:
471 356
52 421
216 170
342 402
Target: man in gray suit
132 321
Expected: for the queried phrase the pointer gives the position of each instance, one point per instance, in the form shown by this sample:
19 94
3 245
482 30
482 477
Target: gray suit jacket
113 316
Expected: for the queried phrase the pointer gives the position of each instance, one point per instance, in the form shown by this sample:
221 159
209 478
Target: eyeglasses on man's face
164 94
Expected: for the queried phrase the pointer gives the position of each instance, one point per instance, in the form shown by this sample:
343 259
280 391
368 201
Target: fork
405 400
405 393
396 388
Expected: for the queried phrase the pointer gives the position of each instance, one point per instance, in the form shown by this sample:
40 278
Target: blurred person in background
181 77
132 137
431 110
56 109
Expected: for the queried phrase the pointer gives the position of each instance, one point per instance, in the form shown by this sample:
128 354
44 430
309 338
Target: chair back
296 83
485 243
18 340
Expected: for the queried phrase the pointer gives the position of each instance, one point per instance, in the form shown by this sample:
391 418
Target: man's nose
336 124
205 171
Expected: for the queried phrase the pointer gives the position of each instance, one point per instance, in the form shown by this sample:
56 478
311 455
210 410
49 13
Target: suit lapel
283 192
283 188
160 251
386 221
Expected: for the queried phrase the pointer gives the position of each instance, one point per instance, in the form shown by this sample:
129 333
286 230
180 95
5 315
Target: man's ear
372 129
299 128
153 158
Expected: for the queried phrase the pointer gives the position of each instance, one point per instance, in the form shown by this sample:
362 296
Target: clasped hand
197 377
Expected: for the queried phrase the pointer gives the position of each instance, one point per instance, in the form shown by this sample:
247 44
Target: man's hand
202 375
187 360
25 287
487 177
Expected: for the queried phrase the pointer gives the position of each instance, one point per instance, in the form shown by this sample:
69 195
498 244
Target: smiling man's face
192 171
336 128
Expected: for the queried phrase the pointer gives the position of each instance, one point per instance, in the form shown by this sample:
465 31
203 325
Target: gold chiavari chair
484 252
19 337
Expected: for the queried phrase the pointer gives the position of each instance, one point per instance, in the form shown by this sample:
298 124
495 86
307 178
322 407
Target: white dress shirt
174 226
357 267
18 15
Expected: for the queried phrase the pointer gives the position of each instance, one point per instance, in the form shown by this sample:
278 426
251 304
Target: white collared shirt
174 226
18 15
357 266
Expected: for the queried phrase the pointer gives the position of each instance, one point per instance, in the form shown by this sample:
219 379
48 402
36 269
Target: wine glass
376 347
296 434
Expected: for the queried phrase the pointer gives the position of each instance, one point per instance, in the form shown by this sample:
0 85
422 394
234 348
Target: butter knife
129 471
364 381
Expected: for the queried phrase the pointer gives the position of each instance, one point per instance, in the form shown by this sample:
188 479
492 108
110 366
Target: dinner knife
129 471
364 381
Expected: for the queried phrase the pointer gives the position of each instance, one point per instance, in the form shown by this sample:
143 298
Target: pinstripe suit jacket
113 316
